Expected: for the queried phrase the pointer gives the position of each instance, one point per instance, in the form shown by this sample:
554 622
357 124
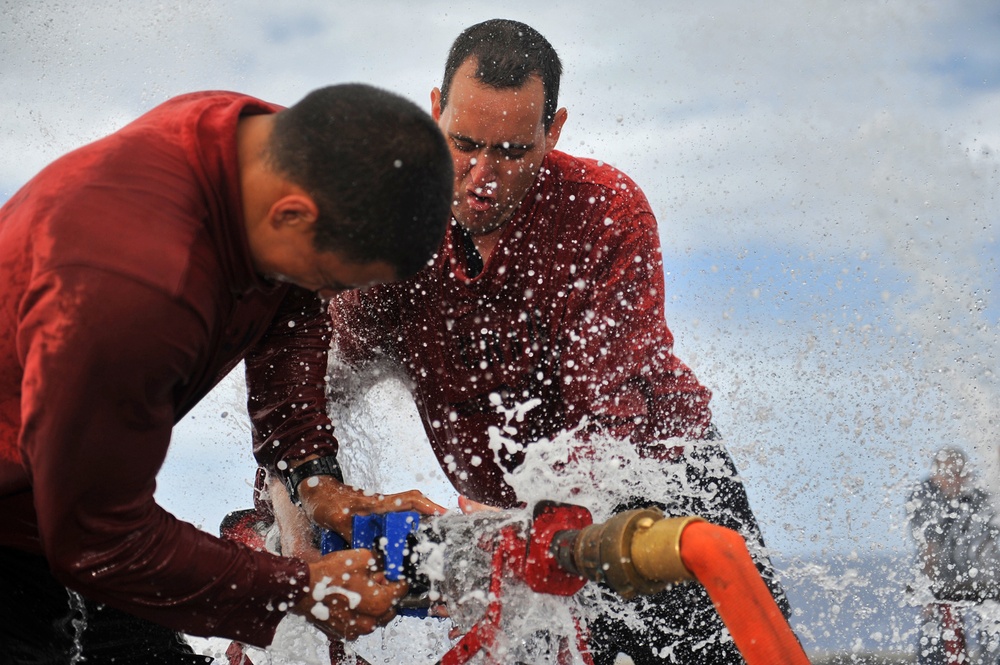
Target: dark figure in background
135 273
549 286
952 522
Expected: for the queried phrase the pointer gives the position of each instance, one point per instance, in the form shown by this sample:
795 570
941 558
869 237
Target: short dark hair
507 53
377 167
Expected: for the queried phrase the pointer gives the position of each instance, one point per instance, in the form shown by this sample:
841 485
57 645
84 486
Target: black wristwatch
321 466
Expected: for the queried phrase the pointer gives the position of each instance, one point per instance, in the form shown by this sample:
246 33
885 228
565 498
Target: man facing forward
548 289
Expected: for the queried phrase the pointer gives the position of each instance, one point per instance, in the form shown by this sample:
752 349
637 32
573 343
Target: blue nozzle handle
385 533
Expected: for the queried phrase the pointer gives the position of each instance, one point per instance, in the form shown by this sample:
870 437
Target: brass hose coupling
635 552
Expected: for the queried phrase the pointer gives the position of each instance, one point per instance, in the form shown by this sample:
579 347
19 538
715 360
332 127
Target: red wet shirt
566 315
126 293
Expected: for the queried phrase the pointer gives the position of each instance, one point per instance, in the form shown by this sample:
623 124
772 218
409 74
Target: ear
555 129
294 210
436 104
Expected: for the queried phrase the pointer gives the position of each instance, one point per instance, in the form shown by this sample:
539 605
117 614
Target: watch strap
320 466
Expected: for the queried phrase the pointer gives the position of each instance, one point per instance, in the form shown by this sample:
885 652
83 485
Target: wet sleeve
364 323
921 510
618 366
287 381
364 328
103 358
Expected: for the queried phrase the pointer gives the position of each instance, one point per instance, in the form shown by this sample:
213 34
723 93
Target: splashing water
610 474
384 449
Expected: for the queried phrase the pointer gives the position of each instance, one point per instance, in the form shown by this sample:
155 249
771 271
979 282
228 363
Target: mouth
481 198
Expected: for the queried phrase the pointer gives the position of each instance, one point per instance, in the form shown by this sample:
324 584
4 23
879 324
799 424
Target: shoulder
211 103
162 147
589 204
596 175
591 196
195 129
923 492
147 200
125 217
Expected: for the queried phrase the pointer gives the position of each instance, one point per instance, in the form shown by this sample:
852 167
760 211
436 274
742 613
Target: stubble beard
481 227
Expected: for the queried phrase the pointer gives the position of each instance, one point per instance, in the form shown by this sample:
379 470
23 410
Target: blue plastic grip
386 533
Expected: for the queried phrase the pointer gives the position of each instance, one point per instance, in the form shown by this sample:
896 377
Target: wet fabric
941 636
562 328
128 293
44 623
959 542
680 624
566 317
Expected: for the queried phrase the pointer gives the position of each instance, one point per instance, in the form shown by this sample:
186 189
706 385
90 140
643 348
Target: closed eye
513 152
464 145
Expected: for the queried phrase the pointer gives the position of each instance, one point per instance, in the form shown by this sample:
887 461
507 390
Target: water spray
638 552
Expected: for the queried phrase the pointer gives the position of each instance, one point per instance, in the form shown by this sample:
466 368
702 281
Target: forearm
98 412
190 581
286 384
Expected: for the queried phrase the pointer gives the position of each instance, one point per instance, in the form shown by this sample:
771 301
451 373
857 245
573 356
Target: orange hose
719 559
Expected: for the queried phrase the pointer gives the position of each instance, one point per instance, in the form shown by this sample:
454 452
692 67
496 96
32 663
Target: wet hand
332 504
347 596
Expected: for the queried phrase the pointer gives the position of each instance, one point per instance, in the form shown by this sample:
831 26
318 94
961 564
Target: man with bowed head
548 289
136 272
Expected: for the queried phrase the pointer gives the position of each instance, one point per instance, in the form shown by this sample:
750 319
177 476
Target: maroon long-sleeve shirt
126 293
567 314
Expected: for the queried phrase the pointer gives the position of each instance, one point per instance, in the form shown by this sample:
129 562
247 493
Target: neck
486 243
260 187
256 178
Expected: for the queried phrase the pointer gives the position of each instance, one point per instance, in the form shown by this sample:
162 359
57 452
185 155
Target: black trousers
44 623
680 625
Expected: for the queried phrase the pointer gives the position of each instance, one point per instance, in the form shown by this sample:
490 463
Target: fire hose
639 552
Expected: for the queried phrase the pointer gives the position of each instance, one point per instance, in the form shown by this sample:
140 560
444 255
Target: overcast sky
825 175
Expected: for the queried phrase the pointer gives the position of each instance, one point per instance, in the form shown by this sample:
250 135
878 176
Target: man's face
950 476
497 140
295 260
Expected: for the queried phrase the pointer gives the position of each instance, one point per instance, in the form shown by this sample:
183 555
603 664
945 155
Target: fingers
416 501
381 597
353 573
351 628
393 503
347 598
342 622
468 506
333 505
439 610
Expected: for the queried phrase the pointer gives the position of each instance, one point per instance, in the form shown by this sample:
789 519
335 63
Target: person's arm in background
922 515
287 383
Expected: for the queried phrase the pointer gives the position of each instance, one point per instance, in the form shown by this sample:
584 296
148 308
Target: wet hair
507 54
378 169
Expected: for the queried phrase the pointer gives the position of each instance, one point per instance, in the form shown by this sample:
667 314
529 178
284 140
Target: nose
483 169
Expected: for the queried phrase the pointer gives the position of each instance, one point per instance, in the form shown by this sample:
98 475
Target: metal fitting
635 552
